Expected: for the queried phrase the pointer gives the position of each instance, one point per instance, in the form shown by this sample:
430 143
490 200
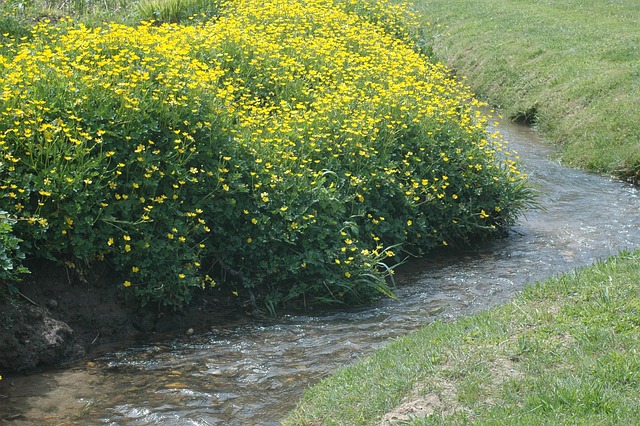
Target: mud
60 314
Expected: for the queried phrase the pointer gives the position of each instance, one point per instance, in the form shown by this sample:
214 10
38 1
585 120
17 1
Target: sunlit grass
570 68
566 351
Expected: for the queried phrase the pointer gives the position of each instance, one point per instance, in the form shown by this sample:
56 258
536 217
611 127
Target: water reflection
254 373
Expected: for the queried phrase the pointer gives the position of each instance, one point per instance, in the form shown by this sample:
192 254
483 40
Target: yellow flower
127 283
353 111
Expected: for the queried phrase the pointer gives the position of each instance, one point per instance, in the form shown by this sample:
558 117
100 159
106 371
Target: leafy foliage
286 148
10 252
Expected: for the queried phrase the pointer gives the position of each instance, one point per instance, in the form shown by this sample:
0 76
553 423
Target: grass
17 17
25 13
566 351
571 67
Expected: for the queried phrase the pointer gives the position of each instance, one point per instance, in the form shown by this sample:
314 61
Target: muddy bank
60 315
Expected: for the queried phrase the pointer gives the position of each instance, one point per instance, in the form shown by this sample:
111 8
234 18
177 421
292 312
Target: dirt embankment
59 316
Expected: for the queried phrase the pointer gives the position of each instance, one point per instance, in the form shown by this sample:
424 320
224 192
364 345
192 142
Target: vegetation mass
291 150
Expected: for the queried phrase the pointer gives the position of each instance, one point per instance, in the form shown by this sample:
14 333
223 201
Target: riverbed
253 373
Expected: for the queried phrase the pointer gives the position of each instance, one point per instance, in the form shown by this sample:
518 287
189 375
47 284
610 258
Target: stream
253 373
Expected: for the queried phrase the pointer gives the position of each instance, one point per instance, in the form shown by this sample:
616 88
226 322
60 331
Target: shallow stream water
253 373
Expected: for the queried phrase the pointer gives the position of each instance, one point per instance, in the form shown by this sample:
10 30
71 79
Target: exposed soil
57 317
420 404
439 397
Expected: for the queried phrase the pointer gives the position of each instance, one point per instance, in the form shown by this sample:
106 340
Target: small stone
52 304
190 332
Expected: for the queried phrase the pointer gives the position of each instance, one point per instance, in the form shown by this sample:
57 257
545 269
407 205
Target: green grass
18 16
566 351
25 13
571 67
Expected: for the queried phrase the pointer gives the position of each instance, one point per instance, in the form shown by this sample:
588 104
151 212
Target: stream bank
59 316
254 373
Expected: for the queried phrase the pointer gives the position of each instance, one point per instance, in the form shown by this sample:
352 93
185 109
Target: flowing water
253 373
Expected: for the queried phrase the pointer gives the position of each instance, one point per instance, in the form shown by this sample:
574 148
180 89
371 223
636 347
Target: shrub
286 148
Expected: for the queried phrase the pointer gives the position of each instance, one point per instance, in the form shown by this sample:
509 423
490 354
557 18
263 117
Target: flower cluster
282 147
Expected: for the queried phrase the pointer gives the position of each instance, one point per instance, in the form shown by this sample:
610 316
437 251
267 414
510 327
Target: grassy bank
566 351
572 67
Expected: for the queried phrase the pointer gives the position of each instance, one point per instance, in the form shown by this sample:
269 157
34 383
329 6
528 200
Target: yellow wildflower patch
318 119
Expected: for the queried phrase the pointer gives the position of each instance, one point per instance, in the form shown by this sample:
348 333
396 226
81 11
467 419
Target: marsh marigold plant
284 148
